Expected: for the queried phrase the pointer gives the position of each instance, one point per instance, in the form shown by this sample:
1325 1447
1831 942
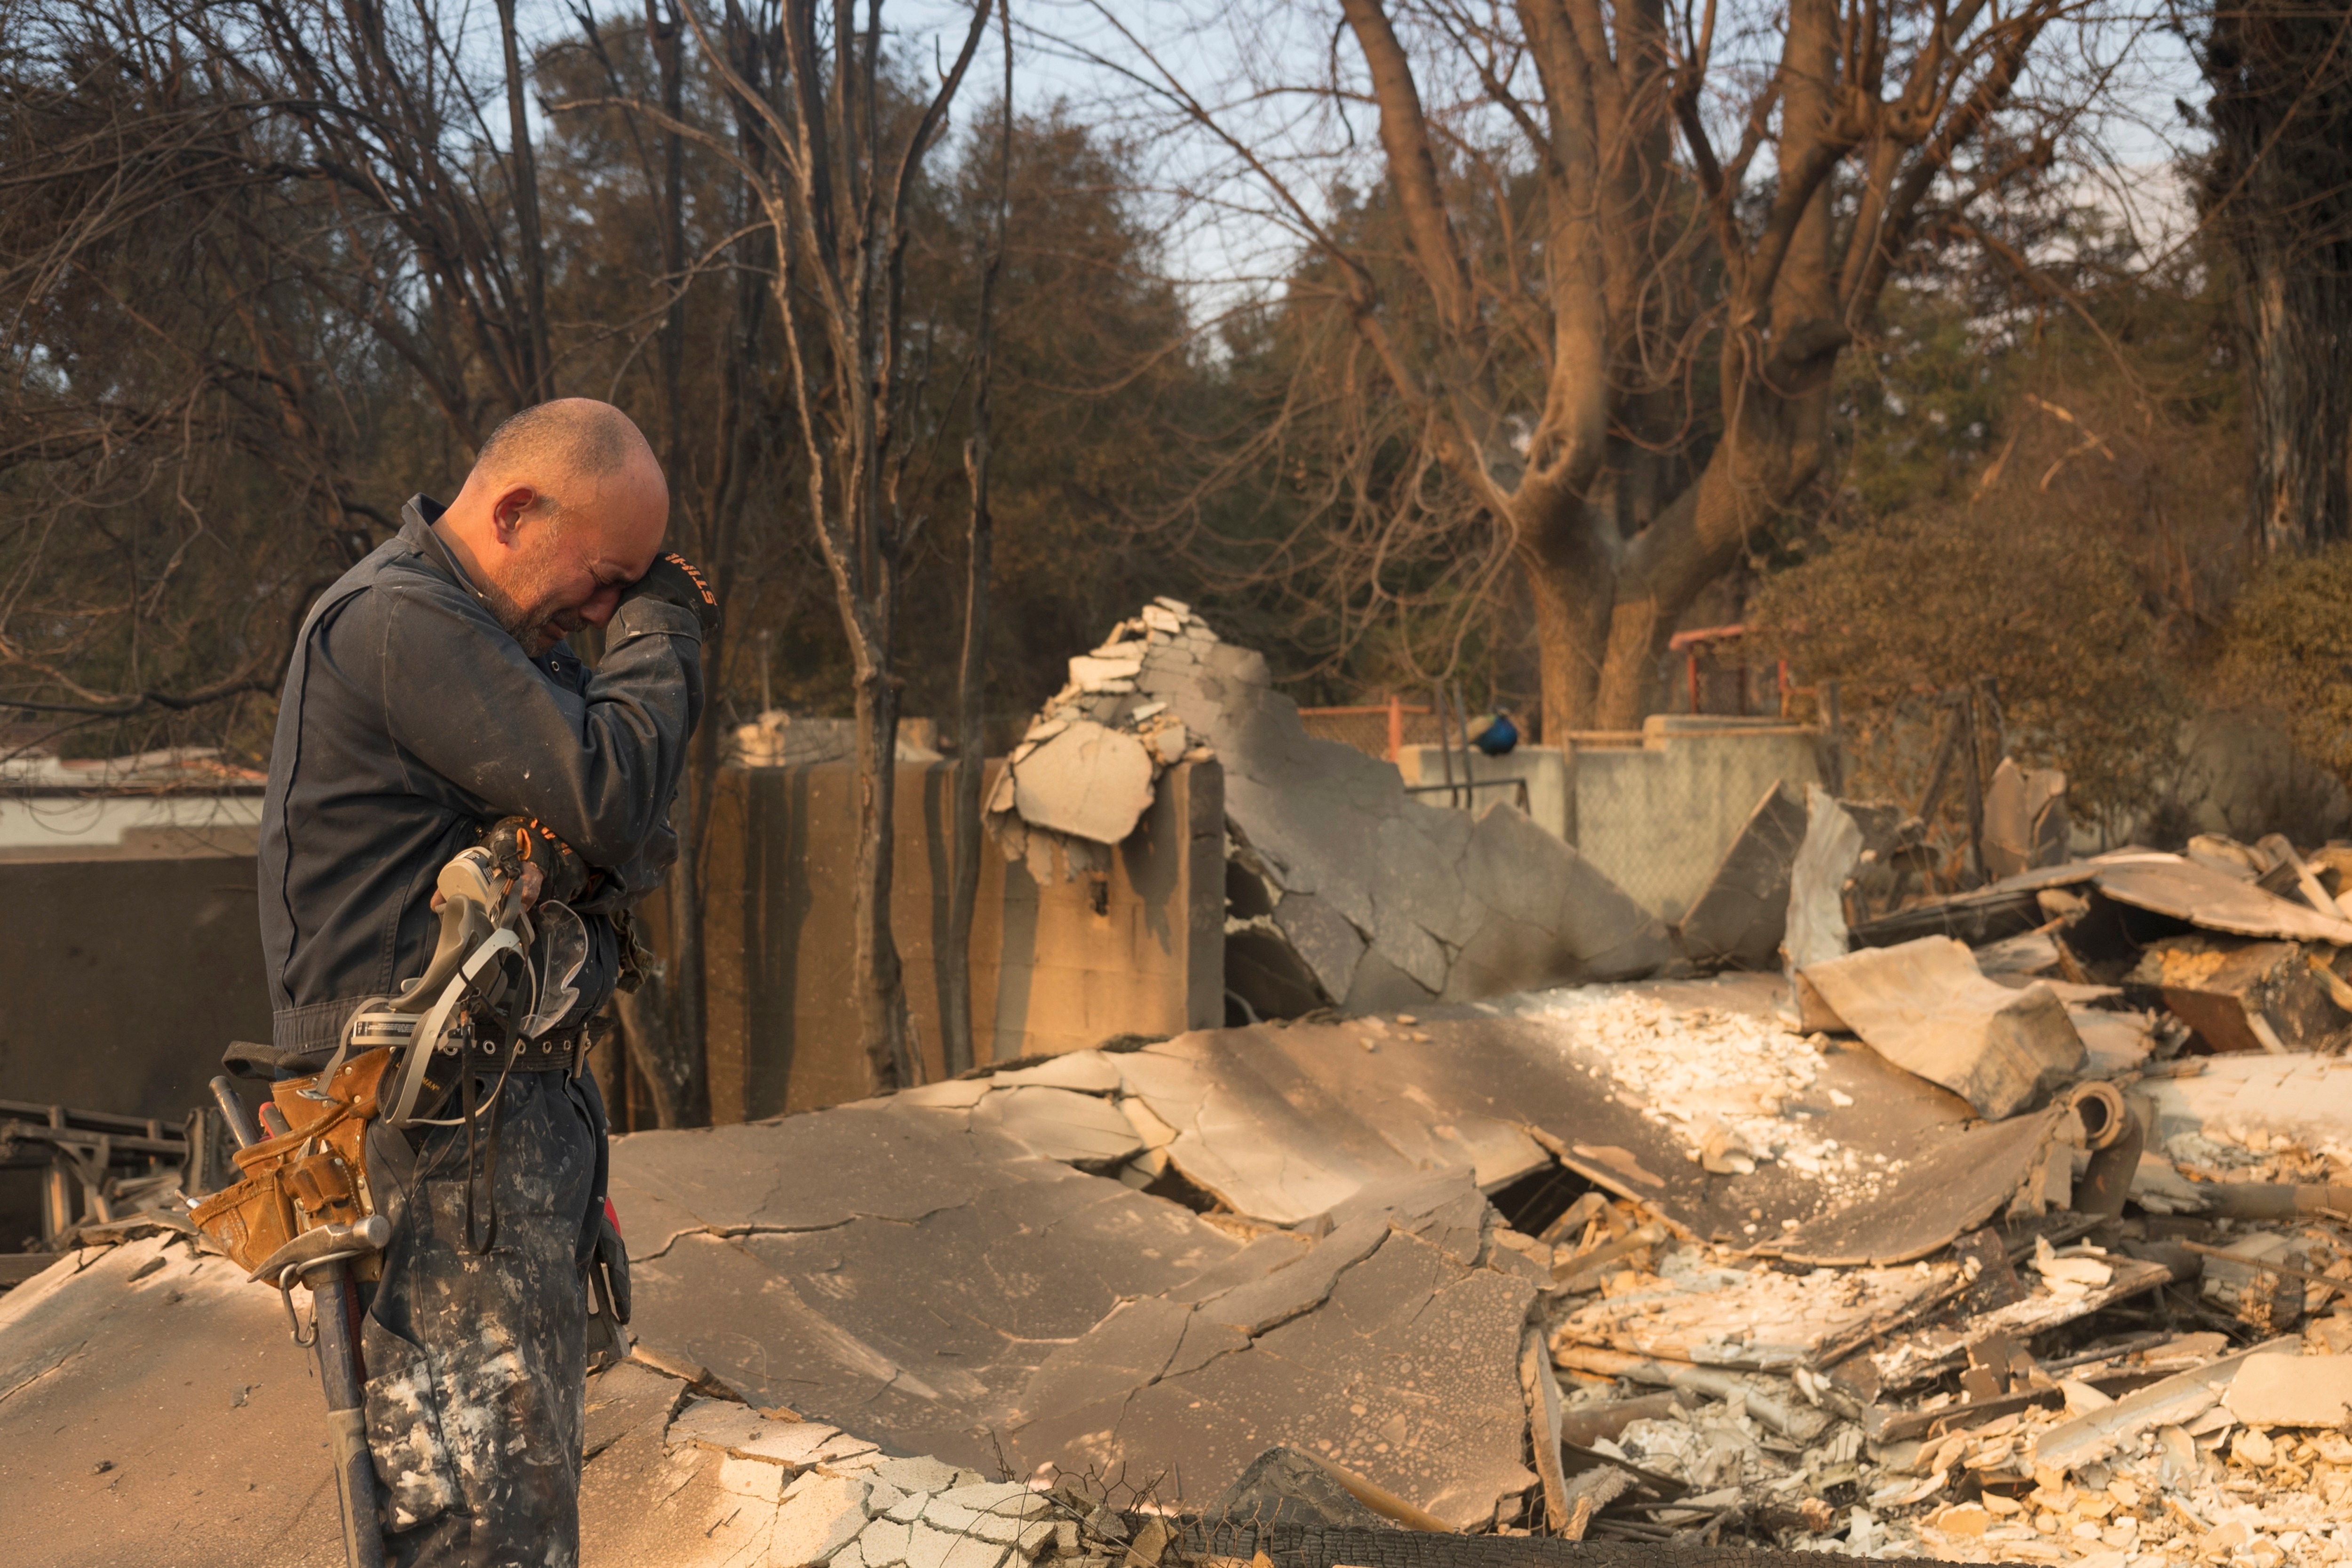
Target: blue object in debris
1494 734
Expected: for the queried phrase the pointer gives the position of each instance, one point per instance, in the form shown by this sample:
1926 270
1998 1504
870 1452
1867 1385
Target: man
430 699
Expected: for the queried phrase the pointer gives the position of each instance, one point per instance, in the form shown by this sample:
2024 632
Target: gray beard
536 633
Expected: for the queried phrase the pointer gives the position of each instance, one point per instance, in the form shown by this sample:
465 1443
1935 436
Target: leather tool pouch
315 1174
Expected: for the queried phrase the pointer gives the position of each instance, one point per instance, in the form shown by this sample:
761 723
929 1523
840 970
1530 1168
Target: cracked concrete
949 1261
1389 1345
1841 1156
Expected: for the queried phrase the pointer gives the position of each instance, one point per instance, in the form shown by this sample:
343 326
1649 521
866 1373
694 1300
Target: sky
1128 65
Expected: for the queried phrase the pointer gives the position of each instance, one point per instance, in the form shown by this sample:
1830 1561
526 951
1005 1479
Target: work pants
476 1362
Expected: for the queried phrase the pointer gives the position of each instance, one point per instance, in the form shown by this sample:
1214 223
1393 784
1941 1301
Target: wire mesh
1367 728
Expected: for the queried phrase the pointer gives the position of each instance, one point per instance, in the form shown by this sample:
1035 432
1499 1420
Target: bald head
570 436
564 507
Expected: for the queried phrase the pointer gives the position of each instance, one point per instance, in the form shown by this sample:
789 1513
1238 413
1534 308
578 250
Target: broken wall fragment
1381 901
1739 920
1815 930
1926 1007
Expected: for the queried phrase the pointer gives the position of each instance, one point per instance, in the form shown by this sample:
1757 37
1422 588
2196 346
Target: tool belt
312 1176
491 995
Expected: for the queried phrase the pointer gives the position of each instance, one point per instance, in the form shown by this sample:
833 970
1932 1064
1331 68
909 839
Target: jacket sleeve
598 766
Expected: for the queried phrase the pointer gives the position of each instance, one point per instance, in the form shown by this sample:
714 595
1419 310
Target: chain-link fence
1378 730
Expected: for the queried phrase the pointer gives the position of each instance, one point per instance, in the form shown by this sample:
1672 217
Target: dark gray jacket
410 722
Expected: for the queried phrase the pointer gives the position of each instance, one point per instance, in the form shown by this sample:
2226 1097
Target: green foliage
2051 502
1935 597
2287 649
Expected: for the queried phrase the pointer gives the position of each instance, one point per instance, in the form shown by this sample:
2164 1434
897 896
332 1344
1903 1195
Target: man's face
560 570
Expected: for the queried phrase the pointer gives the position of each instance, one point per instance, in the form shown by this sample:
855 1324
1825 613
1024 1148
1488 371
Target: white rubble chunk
753 1478
907 1509
1031 1537
883 1542
2293 1391
1090 672
941 1514
929 1548
850 1556
1161 618
923 1473
1176 607
1009 1498
1089 781
743 1432
821 1514
857 1461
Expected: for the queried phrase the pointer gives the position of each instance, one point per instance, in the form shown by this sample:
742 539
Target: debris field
2009 1224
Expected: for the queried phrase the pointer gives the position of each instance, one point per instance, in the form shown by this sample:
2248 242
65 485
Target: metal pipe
331 1309
233 1112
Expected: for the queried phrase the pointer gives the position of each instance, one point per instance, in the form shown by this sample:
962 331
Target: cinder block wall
1050 970
1658 817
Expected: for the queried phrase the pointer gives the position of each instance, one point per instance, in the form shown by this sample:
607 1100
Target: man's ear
506 509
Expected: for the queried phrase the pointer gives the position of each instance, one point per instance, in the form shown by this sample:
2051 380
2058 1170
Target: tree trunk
645 1031
538 372
686 1039
1569 589
2279 190
957 1049
877 975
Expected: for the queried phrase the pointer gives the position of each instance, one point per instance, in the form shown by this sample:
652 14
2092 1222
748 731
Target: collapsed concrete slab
1737 922
2185 888
2245 1120
1926 1007
892 1269
1695 1098
1350 893
1390 1345
153 1403
153 1409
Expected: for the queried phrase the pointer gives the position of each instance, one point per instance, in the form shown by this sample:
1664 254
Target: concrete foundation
1654 808
1054 968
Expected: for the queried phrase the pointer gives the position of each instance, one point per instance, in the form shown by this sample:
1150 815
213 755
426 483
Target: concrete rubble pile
2013 1225
1344 891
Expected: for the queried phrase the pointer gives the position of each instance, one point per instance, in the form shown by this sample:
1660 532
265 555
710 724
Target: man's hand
674 581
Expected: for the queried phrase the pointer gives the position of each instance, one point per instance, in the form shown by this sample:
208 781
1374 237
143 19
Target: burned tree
2277 190
1593 304
831 153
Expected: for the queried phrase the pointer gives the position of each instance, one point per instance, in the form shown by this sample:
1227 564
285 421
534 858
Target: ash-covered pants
477 1363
